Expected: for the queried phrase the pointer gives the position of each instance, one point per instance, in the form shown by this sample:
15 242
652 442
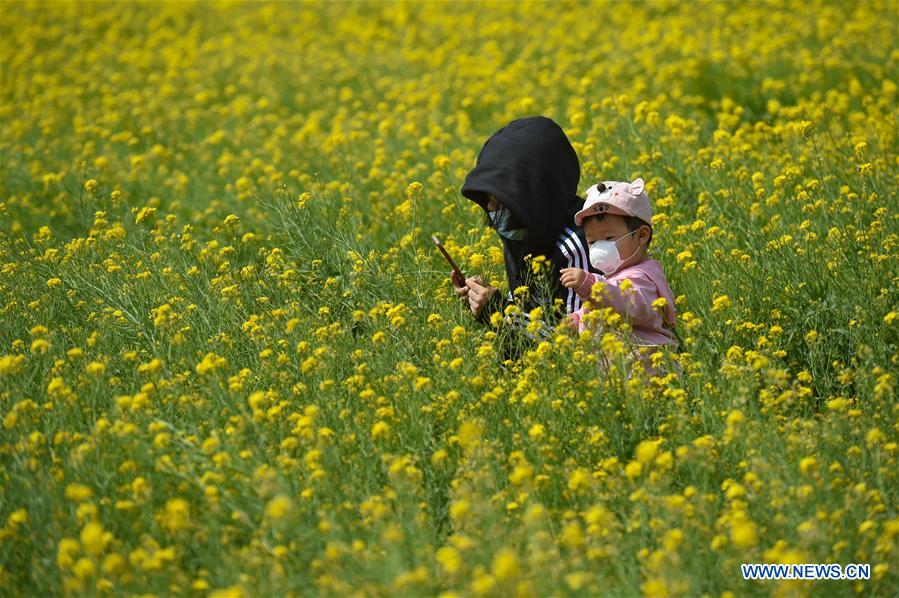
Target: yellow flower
572 536
579 479
17 518
40 346
78 492
483 584
735 418
176 515
95 368
505 565
743 533
413 189
874 436
611 344
380 430
439 456
229 592
66 551
459 509
673 539
232 222
243 184
151 367
808 465
84 568
9 364
521 474
655 588
278 508
144 214
470 433
210 363
92 538
450 559
837 404
647 451
633 469
539 264
720 303
113 564
805 128
163 315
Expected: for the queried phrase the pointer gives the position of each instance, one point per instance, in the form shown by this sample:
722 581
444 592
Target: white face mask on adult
605 257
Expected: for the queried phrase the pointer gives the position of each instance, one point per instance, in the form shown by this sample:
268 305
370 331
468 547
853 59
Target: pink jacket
635 305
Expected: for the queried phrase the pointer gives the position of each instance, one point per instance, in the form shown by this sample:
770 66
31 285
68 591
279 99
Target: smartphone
448 258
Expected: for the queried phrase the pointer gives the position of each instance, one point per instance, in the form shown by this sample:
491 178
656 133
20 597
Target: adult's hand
474 290
459 285
479 294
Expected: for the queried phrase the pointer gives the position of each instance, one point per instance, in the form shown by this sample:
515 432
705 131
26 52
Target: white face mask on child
605 257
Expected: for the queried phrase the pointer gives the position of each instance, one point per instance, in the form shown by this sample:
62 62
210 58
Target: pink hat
613 197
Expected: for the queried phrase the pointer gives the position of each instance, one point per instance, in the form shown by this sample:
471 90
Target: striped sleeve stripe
583 254
569 303
580 246
575 300
564 250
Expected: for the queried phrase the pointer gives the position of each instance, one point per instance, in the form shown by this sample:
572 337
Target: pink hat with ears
613 197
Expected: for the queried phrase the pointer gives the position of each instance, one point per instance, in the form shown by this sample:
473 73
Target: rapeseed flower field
232 363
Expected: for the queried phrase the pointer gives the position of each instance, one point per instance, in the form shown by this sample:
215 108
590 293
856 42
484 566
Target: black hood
530 166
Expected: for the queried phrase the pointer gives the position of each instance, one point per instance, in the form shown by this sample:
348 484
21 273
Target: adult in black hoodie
530 168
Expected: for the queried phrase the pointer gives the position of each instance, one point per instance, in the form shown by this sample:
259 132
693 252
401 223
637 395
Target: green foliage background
230 361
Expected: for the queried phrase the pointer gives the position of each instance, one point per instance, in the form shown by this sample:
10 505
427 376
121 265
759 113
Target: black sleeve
560 292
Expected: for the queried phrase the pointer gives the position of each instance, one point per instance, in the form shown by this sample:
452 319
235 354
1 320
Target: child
617 222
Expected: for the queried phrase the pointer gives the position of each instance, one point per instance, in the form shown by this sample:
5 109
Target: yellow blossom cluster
232 364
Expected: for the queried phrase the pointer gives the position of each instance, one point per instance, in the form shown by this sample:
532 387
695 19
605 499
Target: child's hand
572 278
